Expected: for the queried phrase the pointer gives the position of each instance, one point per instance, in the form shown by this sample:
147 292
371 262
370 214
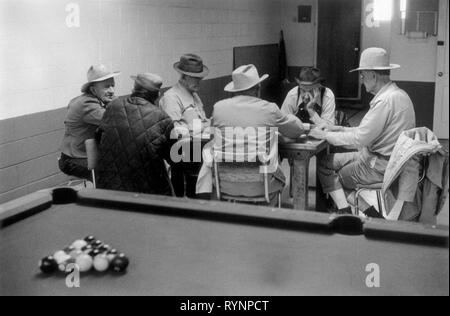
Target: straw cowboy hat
244 78
148 81
310 76
191 65
375 58
98 73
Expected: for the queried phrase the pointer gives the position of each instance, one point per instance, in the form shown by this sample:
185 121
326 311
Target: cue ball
120 263
48 265
101 263
84 262
79 244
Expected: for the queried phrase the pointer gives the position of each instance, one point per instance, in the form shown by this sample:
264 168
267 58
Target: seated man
391 112
310 101
135 138
182 103
246 110
83 118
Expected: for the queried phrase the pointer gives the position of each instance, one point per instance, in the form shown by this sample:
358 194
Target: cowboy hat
244 78
148 81
375 58
191 65
97 73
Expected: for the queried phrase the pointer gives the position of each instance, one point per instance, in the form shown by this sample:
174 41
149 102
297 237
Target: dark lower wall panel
211 91
422 95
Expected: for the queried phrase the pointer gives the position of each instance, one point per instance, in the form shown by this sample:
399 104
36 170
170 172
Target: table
299 154
181 247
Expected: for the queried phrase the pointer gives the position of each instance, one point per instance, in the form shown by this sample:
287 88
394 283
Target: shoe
373 213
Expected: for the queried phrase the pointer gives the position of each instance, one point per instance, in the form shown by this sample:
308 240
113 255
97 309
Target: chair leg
279 199
93 179
380 204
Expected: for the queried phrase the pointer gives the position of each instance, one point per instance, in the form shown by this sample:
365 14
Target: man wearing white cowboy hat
391 112
246 110
183 104
83 118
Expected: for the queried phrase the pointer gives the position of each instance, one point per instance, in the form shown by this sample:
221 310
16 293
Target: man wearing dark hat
182 103
135 140
391 112
310 101
83 118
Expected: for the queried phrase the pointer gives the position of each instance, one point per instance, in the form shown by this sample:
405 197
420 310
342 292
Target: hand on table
318 134
327 127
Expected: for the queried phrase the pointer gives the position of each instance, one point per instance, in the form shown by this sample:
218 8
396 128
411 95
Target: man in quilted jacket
135 140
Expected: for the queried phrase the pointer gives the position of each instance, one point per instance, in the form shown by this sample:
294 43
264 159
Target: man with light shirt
391 112
184 106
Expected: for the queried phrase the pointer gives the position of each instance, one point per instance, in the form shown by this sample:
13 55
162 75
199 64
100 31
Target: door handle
440 74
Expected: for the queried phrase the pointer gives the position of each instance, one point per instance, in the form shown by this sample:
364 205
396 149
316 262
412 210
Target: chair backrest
240 156
92 153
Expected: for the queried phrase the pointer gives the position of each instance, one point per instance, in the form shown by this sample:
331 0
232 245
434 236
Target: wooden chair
92 157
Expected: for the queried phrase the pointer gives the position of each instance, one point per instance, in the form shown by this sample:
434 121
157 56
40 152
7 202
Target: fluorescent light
382 10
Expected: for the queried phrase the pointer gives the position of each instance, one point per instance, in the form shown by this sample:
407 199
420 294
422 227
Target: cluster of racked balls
86 254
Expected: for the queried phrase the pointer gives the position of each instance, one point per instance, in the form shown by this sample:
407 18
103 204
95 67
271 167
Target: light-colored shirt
183 107
391 112
293 101
246 111
83 117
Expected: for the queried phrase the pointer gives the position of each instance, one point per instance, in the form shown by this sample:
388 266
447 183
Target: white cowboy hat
97 73
375 58
244 78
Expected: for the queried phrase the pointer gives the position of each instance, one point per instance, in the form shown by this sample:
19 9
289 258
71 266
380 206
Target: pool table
183 247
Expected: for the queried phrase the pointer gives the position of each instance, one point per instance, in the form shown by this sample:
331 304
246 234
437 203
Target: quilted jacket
135 138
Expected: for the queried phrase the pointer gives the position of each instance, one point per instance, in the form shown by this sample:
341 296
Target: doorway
441 112
338 45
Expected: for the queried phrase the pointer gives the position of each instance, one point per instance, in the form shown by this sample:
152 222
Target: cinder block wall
43 63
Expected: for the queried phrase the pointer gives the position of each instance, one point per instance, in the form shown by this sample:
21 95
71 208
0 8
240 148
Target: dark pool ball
90 239
97 243
48 265
68 249
86 248
104 248
112 251
119 263
94 252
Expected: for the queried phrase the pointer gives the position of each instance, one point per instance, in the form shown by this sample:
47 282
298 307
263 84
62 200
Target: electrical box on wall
304 14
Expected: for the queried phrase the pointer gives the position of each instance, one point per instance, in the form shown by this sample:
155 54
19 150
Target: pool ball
120 263
97 243
63 265
113 251
60 256
48 265
84 262
86 249
94 252
78 244
104 248
101 263
75 253
89 239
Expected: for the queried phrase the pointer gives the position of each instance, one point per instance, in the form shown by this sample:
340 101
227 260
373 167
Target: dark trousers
184 178
74 167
